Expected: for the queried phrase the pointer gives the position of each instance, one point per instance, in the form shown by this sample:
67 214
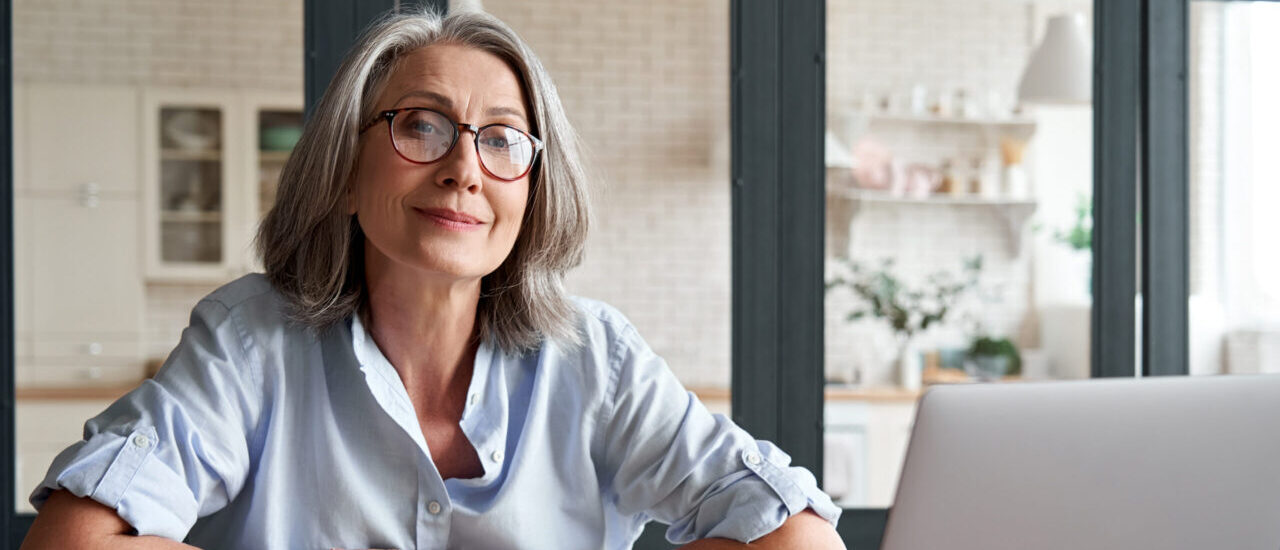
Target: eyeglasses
424 136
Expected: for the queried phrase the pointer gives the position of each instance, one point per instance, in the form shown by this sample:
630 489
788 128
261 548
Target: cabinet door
84 270
78 135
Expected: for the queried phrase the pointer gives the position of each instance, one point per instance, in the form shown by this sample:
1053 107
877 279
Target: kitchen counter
832 393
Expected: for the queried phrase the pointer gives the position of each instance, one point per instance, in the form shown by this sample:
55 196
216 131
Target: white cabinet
77 274
878 431
85 277
77 135
204 172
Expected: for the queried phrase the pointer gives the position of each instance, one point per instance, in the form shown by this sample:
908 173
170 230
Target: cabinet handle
89 195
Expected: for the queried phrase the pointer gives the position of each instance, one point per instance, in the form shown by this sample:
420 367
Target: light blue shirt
259 433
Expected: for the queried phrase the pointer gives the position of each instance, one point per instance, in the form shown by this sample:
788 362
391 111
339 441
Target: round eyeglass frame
458 128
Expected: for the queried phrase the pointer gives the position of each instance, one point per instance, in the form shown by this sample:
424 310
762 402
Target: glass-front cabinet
212 162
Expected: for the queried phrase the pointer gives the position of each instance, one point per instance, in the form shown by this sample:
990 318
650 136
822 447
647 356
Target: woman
409 372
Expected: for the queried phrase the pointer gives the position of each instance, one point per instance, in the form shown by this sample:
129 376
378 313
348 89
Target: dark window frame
1140 151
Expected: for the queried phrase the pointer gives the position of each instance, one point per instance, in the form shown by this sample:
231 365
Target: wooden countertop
73 393
832 393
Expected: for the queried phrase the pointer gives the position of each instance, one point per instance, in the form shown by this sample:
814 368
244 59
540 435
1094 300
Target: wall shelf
183 216
846 203
1015 127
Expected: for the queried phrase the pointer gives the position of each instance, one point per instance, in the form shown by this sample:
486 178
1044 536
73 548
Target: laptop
1161 463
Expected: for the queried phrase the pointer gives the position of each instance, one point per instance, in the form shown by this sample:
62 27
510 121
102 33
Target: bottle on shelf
1014 177
951 184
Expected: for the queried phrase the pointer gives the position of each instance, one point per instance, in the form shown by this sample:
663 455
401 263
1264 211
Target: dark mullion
756 278
12 526
1165 190
800 191
330 28
778 212
1117 73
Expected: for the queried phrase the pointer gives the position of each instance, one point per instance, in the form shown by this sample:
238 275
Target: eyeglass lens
425 136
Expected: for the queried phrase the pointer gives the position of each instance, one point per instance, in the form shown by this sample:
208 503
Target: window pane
142 135
1234 133
957 204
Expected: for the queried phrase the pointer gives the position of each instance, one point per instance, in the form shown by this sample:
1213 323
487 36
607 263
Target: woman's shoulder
605 333
255 307
245 292
601 323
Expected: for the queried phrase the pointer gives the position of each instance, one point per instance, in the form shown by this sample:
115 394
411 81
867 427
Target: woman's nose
461 167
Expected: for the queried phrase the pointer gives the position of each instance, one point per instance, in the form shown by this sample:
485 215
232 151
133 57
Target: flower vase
908 366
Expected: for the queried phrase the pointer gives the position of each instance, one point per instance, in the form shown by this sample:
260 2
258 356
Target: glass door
959 181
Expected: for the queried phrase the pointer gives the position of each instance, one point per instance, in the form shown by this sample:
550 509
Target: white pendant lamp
1061 67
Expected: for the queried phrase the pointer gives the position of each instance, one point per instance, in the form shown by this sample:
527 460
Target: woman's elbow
806 530
71 522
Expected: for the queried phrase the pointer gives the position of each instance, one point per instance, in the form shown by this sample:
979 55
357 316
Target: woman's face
448 218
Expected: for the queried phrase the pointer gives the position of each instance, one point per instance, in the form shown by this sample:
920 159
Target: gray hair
312 250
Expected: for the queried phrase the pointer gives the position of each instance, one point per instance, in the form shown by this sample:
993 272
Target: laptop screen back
1168 463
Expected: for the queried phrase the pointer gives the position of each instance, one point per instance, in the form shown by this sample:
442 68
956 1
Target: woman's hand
804 531
70 522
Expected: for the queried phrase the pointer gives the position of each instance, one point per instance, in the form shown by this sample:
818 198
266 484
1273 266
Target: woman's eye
423 128
495 142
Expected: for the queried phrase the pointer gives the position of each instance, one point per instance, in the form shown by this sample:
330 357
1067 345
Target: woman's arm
806 530
67 521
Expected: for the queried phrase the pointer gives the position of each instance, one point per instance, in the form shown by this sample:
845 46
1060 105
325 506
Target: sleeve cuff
795 485
123 473
755 500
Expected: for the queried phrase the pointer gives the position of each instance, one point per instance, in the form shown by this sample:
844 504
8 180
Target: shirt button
475 398
753 458
497 456
433 507
141 441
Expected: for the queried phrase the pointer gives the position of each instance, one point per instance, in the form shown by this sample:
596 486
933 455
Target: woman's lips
449 219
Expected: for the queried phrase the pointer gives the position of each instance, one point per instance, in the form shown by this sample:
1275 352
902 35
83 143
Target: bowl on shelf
279 138
189 130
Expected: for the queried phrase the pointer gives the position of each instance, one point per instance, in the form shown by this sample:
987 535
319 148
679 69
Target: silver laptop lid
1167 463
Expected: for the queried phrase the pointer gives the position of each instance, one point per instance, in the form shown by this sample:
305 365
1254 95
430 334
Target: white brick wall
221 44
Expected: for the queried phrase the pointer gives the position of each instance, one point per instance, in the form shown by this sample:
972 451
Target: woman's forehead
455 77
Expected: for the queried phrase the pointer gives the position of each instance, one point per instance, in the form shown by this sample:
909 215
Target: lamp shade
466 5
1061 68
835 154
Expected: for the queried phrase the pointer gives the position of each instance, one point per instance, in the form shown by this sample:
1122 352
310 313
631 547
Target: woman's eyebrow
448 104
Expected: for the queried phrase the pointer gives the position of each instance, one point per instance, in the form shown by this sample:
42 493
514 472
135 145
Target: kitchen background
148 133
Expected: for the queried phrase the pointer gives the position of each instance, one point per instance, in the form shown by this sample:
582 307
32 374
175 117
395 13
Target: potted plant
907 309
1079 238
993 358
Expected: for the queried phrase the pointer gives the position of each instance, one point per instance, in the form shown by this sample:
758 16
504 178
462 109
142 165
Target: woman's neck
426 327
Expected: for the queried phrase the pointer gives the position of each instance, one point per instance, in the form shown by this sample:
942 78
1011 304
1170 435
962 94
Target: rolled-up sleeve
669 458
177 447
